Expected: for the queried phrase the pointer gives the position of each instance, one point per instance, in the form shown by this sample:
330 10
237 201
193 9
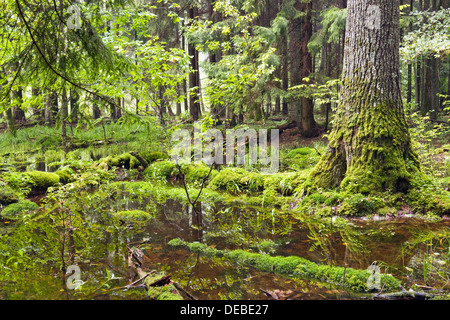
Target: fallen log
159 285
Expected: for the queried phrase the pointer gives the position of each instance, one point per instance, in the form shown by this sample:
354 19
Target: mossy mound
160 170
197 173
7 195
41 180
293 266
152 156
427 196
237 180
125 160
360 205
133 215
301 158
16 210
66 175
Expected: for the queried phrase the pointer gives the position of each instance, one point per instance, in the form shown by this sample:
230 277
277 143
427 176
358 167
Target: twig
176 285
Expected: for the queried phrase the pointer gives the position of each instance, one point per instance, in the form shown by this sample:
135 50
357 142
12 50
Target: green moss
196 173
237 180
315 198
166 292
125 160
300 158
7 195
16 210
426 196
359 205
66 175
293 266
152 156
133 215
160 170
43 180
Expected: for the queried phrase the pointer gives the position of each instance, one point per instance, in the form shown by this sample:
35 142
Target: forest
225 150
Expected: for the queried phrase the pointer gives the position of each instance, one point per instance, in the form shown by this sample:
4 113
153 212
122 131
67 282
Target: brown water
406 247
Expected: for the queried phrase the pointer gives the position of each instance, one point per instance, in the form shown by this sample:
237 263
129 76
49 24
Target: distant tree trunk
308 124
74 106
37 112
295 59
19 114
370 147
96 112
429 100
63 118
10 121
194 103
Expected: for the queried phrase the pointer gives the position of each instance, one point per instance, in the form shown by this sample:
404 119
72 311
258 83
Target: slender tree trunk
308 124
370 148
295 60
194 103
10 121
63 115
429 100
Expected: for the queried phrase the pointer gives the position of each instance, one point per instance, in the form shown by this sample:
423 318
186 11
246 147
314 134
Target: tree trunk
63 115
308 124
429 100
194 103
370 148
295 59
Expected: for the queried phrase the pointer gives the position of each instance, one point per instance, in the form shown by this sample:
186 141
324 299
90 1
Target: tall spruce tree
370 147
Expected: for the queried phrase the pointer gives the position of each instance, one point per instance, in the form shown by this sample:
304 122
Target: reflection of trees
427 256
336 238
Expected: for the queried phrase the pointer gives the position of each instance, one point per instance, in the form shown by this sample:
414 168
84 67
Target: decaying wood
138 261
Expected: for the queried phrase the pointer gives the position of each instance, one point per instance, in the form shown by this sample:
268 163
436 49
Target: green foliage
333 24
430 35
16 210
7 195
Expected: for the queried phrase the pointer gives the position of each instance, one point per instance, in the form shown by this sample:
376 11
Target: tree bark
194 103
370 148
295 60
308 124
429 100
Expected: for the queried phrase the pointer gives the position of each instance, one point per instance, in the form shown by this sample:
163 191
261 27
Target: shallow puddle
404 247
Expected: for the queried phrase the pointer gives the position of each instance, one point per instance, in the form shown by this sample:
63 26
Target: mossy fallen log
294 266
159 285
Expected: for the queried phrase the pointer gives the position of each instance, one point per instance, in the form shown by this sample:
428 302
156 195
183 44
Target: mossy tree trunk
369 148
